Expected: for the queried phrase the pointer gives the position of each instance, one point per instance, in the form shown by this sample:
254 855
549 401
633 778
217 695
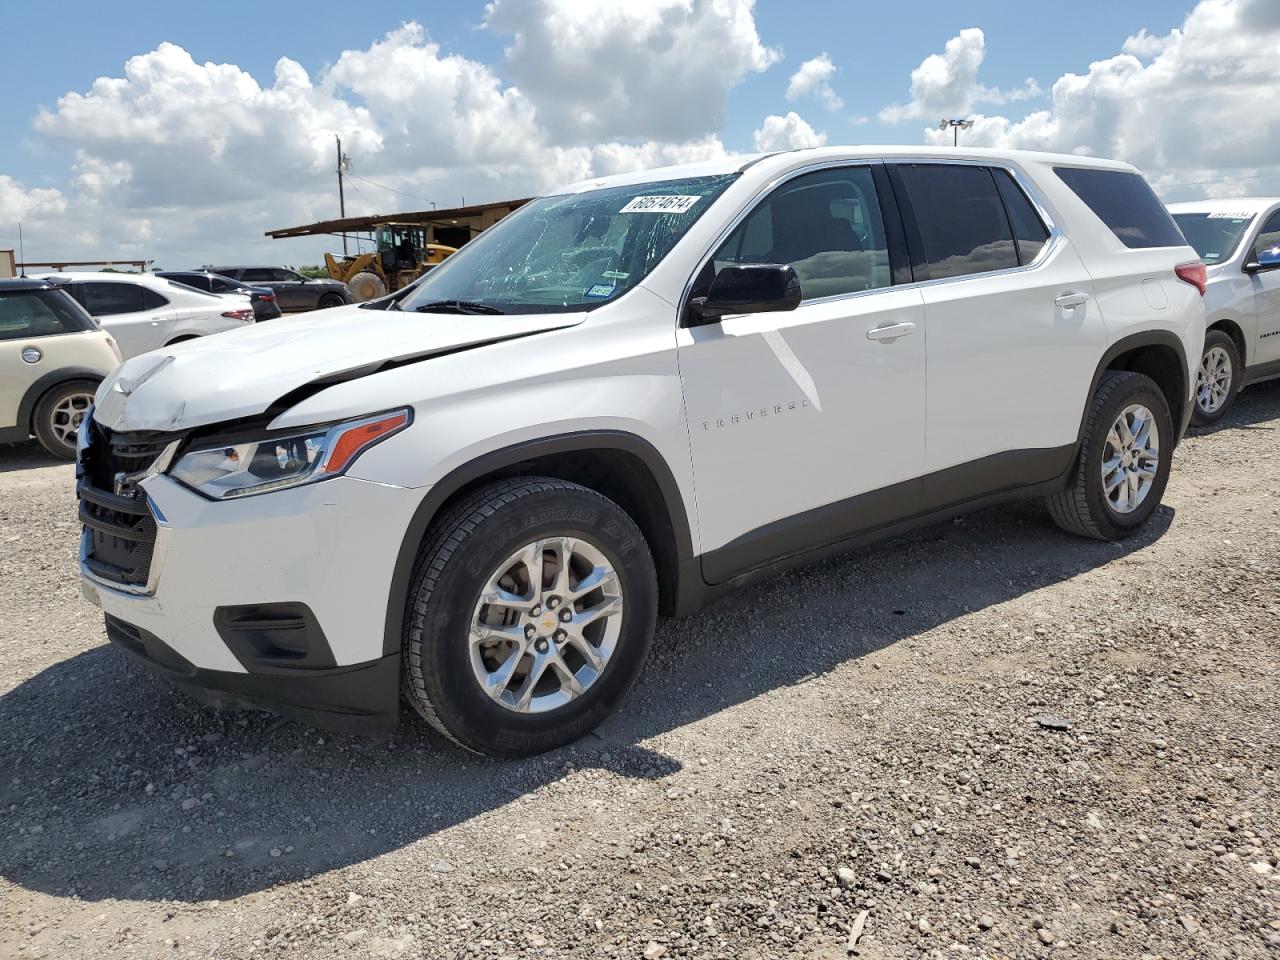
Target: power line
383 186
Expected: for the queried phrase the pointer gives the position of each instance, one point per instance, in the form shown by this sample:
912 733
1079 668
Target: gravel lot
988 739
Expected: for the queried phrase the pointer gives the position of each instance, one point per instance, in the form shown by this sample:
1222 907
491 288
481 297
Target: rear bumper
361 699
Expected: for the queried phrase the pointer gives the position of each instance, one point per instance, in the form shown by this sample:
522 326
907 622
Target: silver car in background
1239 242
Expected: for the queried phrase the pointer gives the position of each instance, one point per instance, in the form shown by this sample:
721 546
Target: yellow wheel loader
402 255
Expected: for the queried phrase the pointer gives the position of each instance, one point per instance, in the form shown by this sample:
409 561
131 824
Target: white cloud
787 133
946 84
190 162
813 78
1197 104
19 203
659 70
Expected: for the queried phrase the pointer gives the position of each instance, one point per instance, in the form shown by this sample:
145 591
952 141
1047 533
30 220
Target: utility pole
956 126
342 200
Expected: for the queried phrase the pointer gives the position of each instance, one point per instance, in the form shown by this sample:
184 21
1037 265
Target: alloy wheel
67 415
546 624
1213 380
1130 458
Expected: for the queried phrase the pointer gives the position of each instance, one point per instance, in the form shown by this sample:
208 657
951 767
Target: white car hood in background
241 373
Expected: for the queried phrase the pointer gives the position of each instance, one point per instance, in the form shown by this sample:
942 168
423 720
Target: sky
180 134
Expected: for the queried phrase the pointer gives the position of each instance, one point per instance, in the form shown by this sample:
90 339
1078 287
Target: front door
1266 291
138 319
806 426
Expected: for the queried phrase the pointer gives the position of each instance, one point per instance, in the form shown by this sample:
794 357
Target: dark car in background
293 290
265 305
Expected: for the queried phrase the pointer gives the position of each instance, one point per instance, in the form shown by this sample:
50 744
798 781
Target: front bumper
312 565
359 699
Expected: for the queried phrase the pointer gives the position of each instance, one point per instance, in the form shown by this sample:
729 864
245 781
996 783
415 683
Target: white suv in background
631 396
1239 241
144 312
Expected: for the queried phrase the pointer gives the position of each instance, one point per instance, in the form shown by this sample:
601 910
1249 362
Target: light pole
344 163
956 126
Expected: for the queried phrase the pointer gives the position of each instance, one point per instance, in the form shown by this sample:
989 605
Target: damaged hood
245 372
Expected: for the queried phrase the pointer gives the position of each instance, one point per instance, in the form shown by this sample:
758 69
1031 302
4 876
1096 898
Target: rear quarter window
1126 204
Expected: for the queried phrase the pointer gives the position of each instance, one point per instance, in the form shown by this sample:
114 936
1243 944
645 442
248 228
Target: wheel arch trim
43 384
503 457
1136 341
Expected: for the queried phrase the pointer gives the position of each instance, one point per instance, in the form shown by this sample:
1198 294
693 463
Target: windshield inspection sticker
600 290
662 204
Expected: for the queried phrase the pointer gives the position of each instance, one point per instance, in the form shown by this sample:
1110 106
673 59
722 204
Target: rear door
1266 290
1014 336
138 318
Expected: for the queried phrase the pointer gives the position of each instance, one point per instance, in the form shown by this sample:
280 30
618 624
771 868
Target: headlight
227 470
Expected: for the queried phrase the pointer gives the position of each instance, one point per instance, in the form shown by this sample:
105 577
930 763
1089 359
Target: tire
176 340
331 300
1085 507
1217 379
58 414
366 286
462 555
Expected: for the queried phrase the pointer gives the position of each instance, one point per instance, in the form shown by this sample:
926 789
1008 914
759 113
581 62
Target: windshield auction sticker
666 204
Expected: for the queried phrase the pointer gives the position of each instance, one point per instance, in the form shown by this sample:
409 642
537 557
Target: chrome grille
119 528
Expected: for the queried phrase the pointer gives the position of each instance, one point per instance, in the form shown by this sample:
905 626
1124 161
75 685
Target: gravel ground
988 739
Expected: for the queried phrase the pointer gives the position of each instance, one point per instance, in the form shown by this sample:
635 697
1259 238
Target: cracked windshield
569 252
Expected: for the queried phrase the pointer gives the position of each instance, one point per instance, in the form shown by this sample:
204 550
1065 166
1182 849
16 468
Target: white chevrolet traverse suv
630 396
1239 242
145 312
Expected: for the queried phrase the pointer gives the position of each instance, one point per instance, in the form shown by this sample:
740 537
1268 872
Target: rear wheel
366 286
531 613
1217 379
1124 460
59 414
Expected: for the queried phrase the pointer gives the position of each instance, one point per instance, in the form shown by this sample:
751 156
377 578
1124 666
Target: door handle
891 331
1069 300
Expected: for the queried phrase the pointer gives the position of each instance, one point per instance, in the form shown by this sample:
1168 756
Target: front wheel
1123 465
530 616
1216 379
330 300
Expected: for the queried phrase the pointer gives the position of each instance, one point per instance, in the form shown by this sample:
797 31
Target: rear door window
108 299
962 227
257 275
1126 204
1029 230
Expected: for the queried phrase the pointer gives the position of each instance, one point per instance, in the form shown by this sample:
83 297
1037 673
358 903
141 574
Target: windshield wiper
456 306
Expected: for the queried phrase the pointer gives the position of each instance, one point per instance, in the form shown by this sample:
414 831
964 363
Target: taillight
238 314
266 297
1193 273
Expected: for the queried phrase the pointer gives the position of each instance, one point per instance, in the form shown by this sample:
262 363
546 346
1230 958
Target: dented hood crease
248 372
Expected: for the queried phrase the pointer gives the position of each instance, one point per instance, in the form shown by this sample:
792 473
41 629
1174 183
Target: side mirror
1267 260
754 288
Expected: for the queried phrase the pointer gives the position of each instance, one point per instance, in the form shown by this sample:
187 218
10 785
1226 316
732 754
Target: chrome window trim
1024 183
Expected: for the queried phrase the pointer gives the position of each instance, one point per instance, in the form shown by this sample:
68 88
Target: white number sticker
666 204
1228 215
